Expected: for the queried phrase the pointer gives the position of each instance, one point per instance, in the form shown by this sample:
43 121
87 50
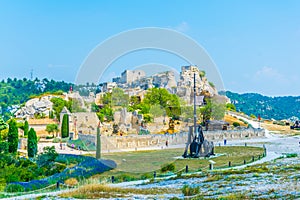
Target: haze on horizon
255 44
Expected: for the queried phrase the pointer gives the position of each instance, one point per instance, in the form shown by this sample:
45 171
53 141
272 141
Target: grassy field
279 129
144 163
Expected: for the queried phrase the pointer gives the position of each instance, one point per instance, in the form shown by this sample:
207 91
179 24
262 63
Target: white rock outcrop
34 106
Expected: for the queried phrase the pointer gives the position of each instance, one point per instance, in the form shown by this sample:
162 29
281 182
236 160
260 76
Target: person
60 145
167 143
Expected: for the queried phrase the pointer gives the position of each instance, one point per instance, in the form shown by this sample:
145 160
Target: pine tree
32 143
98 150
3 126
13 137
26 128
65 126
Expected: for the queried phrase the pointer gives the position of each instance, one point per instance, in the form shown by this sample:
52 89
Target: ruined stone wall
132 142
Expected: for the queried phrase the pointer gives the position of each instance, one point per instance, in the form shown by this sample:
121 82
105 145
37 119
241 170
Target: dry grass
93 191
230 119
278 128
71 182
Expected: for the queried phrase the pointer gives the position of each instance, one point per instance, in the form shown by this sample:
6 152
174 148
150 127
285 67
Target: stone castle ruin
135 81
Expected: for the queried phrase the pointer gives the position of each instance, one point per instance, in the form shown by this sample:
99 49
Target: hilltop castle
135 82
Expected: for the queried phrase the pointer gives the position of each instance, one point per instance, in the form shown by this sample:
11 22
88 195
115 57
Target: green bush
148 118
14 188
147 176
190 191
124 178
291 155
236 124
168 168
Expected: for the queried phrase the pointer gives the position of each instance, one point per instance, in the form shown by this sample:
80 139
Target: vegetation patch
93 191
190 191
88 167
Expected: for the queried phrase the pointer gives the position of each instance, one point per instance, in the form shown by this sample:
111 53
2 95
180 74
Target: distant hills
287 107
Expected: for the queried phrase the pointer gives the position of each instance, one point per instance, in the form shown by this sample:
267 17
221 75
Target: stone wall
131 142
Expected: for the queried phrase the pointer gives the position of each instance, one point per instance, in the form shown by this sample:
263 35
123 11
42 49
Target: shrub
14 188
147 176
124 178
190 191
148 118
168 167
236 124
211 84
71 182
291 155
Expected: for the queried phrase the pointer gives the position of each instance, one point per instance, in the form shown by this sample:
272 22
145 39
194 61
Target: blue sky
255 44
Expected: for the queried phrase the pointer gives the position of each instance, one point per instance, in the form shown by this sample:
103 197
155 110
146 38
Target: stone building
81 122
129 76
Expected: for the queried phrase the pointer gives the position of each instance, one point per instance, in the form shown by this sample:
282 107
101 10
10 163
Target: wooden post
112 179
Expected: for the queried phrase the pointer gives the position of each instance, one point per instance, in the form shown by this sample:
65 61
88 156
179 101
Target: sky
254 44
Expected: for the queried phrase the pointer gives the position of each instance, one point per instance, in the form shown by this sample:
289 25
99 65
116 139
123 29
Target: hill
278 108
14 92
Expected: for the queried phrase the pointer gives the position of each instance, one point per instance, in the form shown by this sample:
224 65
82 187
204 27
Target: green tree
58 105
32 143
161 96
230 106
157 111
218 110
52 128
74 105
119 98
51 115
106 99
26 128
105 114
206 110
48 157
3 126
13 137
65 126
95 107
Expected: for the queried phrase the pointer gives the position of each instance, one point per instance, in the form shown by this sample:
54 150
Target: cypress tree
3 126
12 137
65 126
32 143
26 128
98 150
